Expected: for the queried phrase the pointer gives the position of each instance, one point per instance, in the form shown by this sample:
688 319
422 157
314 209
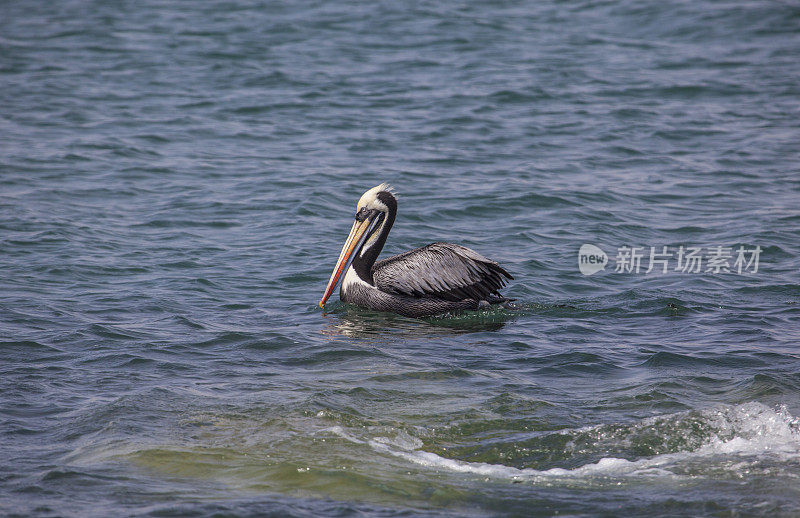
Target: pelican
434 279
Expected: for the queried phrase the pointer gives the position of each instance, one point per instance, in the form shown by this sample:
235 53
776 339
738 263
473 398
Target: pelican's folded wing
443 270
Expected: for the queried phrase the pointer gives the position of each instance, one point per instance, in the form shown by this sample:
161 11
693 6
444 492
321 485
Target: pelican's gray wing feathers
442 270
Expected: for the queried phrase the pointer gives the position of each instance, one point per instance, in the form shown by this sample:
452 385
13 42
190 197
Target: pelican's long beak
358 234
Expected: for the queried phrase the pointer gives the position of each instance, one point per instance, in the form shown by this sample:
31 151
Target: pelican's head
372 212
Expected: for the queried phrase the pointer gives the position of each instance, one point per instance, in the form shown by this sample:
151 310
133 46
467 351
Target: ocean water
176 181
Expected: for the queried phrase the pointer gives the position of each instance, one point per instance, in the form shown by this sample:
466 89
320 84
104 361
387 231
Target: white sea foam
750 429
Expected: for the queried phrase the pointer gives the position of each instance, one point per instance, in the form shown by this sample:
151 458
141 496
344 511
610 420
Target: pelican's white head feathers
371 201
370 198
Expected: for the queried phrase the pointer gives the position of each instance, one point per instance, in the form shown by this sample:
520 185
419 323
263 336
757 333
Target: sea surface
177 179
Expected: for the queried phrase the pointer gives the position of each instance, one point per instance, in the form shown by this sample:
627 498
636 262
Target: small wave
747 430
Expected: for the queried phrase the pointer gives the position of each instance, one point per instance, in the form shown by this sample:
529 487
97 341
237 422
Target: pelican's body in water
434 279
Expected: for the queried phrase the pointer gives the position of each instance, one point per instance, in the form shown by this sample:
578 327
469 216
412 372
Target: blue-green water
176 181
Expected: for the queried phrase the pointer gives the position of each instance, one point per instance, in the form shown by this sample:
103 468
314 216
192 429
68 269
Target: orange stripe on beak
358 230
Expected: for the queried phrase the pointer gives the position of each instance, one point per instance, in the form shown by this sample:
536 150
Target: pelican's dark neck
363 264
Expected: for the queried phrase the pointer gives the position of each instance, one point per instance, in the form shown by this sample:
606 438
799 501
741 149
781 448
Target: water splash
750 433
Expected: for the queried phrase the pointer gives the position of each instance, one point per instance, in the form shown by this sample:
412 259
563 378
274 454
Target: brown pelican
434 279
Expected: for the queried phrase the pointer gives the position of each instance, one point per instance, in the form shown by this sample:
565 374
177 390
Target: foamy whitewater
746 434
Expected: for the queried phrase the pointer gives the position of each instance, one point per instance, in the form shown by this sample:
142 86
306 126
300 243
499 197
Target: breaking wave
749 433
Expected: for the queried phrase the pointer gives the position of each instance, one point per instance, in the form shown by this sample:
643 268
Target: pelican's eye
362 214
